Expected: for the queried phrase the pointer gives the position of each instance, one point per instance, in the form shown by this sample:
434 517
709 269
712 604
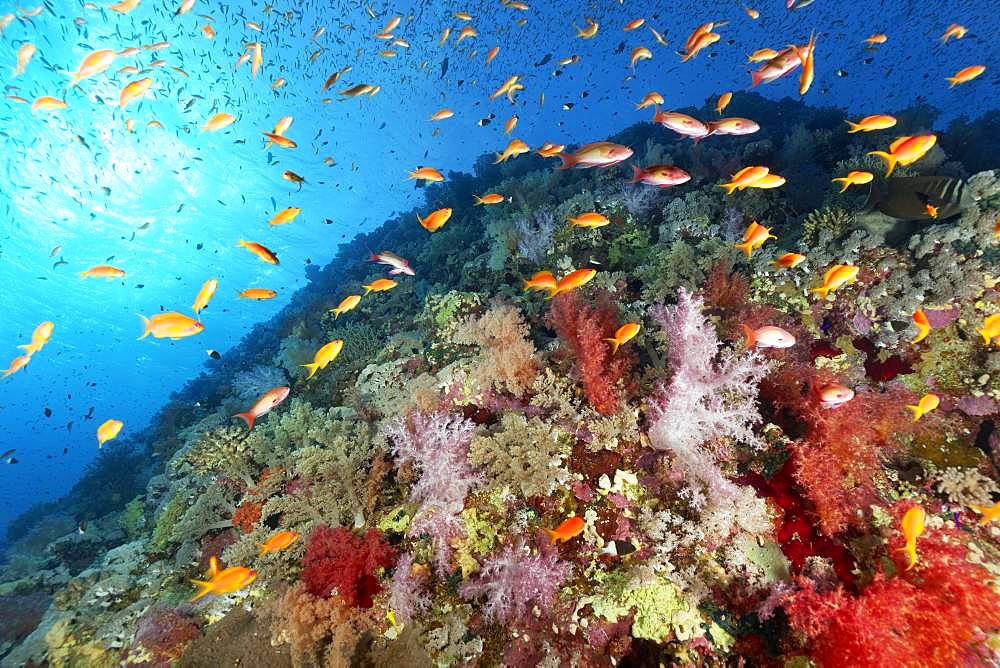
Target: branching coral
506 360
706 399
438 444
338 561
516 580
527 455
583 329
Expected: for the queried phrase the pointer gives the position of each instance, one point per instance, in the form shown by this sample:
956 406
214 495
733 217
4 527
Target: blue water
169 205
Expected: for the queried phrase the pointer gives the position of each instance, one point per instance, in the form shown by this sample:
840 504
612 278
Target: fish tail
29 348
890 161
923 330
756 78
614 345
479 200
567 161
312 369
636 174
367 290
822 290
986 337
336 312
248 417
553 536
552 292
203 589
147 327
953 81
751 336
855 127
911 552
730 187
263 550
917 413
747 247
845 181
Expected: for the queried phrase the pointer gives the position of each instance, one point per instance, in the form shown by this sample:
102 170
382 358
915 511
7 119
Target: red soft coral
163 633
336 559
583 329
934 615
247 515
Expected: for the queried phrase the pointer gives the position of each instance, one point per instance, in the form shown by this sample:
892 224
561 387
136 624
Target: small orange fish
47 103
218 122
93 63
872 123
589 220
491 54
490 198
877 38
204 295
989 513
348 303
39 338
623 335
954 30
923 325
723 102
639 53
633 24
435 220
284 216
573 280
267 402
761 55
752 13
905 151
854 178
652 99
912 526
966 74
324 356
589 31
170 325
466 33
133 91
380 285
260 251
754 237
744 178
225 581
442 114
789 260
24 56
278 542
768 336
108 430
808 67
835 277
16 365
570 528
927 403
427 174
510 124
833 395
208 31
991 328
543 280
279 140
515 148
103 271
258 294
549 150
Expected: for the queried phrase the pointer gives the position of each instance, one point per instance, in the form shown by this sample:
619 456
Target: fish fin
747 247
953 81
750 334
146 325
636 174
890 161
567 161
263 550
204 588
213 566
614 345
823 290
248 418
313 367
756 78
553 536
28 348
730 187
916 411
986 337
855 127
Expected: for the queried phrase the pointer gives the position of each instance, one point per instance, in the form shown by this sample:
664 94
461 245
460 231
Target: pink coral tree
438 445
710 397
515 579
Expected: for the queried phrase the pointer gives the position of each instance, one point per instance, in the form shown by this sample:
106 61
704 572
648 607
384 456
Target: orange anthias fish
489 198
877 38
597 154
278 542
589 31
954 30
258 294
808 69
47 103
927 403
543 280
267 402
923 325
590 220
789 260
427 174
768 336
639 53
442 114
966 74
989 513
836 276
93 63
218 122
570 528
549 150
573 280
833 395
703 41
991 328
380 285
170 325
103 271
16 365
435 220
348 303
661 176
777 67
279 140
205 295
134 91
854 178
623 335
39 338
515 148
324 356
743 178
906 151
108 430
754 237
652 99
260 251
912 526
225 581
761 55
24 55
723 102
284 216
872 123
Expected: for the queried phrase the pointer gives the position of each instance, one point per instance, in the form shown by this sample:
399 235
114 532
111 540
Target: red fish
661 176
267 402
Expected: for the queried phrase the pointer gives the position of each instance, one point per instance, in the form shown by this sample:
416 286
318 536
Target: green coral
826 225
659 607
397 520
481 535
682 263
224 450
629 249
526 455
133 519
169 516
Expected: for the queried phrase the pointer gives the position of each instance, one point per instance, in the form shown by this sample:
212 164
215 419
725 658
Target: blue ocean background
169 205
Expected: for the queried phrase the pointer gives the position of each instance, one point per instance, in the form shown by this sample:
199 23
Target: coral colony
750 473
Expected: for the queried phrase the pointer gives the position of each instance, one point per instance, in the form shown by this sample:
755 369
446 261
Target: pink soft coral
515 579
438 444
584 330
709 397
163 633
336 559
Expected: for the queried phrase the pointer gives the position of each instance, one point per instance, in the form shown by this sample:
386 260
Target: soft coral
338 559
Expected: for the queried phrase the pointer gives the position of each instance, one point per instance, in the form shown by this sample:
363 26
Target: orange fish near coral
744 178
258 294
954 30
661 176
723 102
573 280
652 98
324 356
427 174
380 285
435 220
39 338
225 581
836 276
515 148
989 513
768 336
590 220
833 395
872 123
912 526
543 280
991 328
170 325
789 260
278 542
623 335
905 151
263 252
597 154
491 198
927 403
570 528
108 430
923 325
965 75
267 402
854 178
754 237
346 304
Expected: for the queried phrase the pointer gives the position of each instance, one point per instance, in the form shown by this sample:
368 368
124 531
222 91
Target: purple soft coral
706 399
438 444
515 580
408 590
